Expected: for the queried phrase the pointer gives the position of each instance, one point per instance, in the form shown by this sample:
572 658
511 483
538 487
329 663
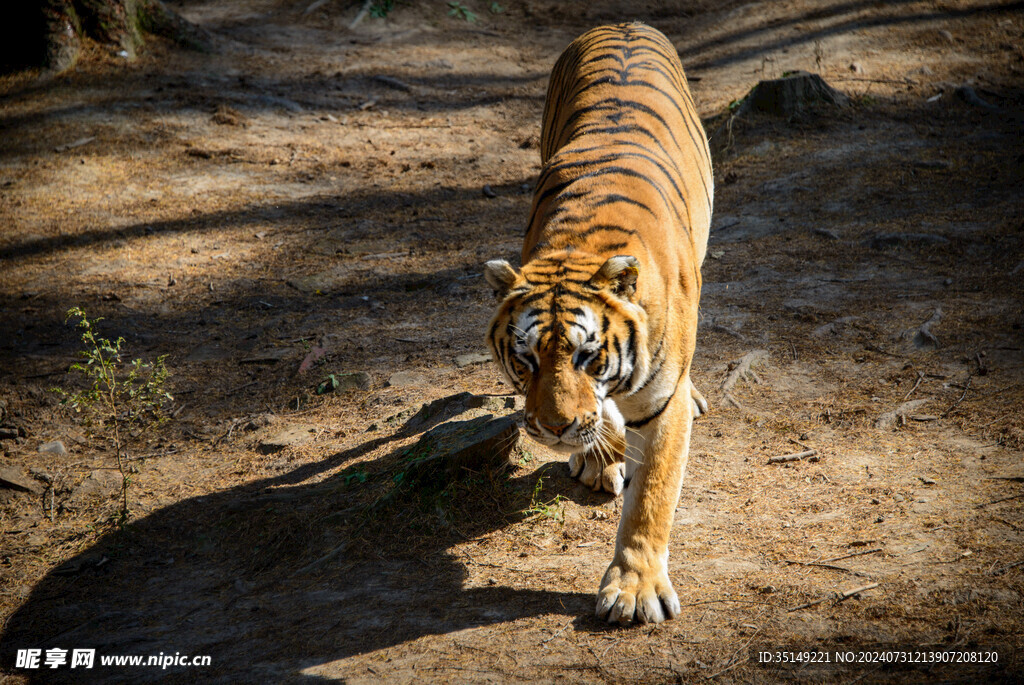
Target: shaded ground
310 186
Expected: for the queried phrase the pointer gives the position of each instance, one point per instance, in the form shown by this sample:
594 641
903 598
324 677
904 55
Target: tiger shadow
220 575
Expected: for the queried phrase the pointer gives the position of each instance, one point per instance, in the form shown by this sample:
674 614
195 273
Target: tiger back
598 328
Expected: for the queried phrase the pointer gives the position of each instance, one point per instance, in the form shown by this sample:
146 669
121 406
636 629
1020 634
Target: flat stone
464 360
12 479
357 380
476 445
292 436
405 379
100 483
54 447
445 408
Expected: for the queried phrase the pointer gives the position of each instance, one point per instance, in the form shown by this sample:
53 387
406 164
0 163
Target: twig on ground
733 661
853 554
920 377
796 456
556 634
364 10
818 564
1004 569
333 553
315 6
901 82
997 501
957 403
728 331
837 596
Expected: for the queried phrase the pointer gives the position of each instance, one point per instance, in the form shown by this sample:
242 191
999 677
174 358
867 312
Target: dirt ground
314 192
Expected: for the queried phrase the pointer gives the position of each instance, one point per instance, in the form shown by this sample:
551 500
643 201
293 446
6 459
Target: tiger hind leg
603 467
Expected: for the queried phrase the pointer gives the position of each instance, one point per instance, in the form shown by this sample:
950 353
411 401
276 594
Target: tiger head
569 335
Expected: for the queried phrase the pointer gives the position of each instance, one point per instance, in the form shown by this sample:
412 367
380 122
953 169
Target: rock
292 436
432 413
947 36
886 240
856 68
8 433
477 445
100 483
489 192
11 479
54 447
35 540
356 380
464 360
791 94
405 379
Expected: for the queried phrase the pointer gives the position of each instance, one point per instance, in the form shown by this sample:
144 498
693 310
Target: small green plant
356 477
381 8
460 11
554 510
495 8
122 397
329 384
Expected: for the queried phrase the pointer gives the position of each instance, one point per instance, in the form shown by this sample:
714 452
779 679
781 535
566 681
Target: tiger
597 329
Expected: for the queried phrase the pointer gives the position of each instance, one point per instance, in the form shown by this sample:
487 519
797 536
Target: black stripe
613 198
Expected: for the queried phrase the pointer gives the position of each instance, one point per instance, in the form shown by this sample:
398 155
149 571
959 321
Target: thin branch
957 403
838 597
796 456
854 554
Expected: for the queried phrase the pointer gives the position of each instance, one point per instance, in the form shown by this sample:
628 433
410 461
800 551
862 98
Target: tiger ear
500 275
619 274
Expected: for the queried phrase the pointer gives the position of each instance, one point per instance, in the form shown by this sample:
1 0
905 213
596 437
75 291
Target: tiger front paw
638 592
598 473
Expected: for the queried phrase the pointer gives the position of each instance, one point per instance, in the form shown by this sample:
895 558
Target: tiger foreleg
636 586
602 466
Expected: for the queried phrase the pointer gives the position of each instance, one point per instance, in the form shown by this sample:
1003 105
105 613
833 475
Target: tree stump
791 94
49 33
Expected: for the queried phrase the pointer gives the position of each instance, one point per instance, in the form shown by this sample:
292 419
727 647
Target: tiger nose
557 430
